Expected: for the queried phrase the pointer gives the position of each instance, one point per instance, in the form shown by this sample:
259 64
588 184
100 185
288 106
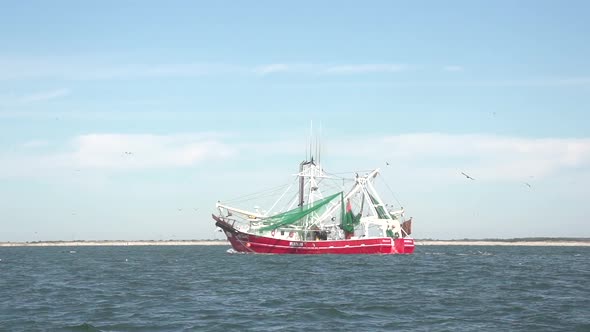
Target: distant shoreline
115 243
545 243
558 242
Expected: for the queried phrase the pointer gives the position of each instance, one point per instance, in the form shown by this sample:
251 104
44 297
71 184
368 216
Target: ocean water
204 288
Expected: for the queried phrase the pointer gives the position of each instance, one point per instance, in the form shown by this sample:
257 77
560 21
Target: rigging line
283 195
335 177
257 198
353 172
333 186
391 191
329 183
252 199
294 200
276 188
267 192
338 179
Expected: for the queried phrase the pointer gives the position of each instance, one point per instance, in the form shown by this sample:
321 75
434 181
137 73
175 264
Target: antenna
306 141
316 145
310 139
320 146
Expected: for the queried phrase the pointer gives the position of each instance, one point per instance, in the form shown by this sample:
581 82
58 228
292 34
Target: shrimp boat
320 218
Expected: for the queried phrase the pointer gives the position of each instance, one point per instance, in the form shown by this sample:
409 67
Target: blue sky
215 100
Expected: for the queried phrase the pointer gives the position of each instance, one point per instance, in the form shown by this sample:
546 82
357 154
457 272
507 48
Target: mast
301 183
302 164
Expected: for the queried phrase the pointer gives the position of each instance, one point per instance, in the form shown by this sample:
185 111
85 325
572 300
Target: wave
86 327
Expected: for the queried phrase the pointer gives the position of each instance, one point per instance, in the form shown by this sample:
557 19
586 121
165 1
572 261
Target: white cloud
134 71
486 157
436 156
111 152
344 69
540 82
97 68
273 68
365 68
427 155
71 68
12 99
453 68
45 95
123 151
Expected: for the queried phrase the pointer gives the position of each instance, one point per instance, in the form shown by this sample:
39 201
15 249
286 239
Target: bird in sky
467 176
527 184
387 163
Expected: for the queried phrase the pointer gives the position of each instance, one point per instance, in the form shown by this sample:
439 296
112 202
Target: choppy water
439 288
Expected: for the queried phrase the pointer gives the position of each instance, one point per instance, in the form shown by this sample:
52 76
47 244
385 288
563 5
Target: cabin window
282 232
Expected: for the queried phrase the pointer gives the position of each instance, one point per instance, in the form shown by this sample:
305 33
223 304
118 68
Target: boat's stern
404 245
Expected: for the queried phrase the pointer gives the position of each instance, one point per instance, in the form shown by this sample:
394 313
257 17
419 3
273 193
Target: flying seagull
387 163
467 176
527 184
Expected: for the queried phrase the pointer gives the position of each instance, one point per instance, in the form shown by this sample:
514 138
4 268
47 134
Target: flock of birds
467 176
470 178
130 153
180 209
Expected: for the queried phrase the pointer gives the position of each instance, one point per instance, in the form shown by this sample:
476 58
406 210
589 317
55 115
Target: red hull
250 243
